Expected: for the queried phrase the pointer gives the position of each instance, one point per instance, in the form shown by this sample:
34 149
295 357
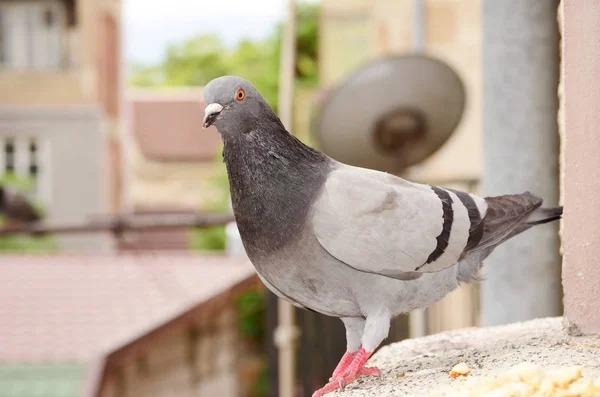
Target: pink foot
331 386
370 371
347 376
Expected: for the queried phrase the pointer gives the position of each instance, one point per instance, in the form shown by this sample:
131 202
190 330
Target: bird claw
346 372
331 386
370 371
345 378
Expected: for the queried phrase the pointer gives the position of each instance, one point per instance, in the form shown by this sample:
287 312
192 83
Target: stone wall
207 359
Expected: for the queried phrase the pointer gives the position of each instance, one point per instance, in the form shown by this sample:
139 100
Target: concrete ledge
420 367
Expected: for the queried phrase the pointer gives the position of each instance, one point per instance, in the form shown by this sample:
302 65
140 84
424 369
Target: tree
200 59
195 61
307 30
145 76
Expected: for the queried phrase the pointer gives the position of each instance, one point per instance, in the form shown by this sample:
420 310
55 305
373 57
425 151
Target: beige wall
43 88
453 34
357 31
168 185
581 164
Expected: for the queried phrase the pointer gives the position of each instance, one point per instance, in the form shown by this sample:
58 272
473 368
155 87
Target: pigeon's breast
304 274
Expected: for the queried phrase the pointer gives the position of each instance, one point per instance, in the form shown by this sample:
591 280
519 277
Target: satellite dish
391 113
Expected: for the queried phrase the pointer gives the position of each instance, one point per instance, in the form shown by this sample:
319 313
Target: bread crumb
460 369
563 377
580 388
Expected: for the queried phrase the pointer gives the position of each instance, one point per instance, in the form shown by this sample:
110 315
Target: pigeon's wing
379 223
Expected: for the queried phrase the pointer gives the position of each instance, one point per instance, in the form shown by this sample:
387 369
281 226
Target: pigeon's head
234 106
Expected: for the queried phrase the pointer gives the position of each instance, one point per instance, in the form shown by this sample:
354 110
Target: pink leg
345 362
355 367
352 371
342 365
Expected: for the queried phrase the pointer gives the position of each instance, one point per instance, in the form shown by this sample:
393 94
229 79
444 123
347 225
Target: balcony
40 51
32 87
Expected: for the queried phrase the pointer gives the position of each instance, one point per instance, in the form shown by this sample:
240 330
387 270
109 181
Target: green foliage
200 59
31 244
195 61
21 183
208 238
307 31
25 243
260 388
145 76
213 238
251 307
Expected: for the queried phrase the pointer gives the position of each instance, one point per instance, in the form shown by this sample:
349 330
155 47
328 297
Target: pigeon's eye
240 94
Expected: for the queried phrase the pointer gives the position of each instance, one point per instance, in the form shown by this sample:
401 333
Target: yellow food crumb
580 388
524 380
460 369
528 373
563 377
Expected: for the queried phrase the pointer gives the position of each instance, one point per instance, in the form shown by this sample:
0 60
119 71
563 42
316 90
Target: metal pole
418 25
520 151
286 332
417 319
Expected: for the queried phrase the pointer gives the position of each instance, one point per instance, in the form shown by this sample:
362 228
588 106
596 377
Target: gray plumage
345 241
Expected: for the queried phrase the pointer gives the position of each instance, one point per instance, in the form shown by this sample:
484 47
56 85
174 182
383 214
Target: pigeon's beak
210 114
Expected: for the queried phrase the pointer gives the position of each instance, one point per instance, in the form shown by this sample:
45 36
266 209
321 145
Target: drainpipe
286 332
417 319
520 153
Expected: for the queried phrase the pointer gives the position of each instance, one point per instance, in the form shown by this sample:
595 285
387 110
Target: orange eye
240 94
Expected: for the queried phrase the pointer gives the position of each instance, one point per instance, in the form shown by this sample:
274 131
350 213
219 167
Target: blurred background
121 270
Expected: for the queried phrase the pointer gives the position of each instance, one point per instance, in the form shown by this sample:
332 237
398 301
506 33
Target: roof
168 126
76 307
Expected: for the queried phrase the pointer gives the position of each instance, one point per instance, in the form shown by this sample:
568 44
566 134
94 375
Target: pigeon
345 241
15 206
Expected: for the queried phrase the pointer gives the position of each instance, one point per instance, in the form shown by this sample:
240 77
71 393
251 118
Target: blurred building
172 164
353 32
171 158
59 106
135 325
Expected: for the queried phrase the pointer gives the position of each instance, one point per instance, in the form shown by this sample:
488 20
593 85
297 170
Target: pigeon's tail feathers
510 215
544 215
538 217
505 217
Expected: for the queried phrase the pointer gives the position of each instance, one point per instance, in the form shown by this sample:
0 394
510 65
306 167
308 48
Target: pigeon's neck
274 179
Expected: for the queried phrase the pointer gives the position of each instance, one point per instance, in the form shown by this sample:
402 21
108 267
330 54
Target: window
9 156
30 34
25 159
